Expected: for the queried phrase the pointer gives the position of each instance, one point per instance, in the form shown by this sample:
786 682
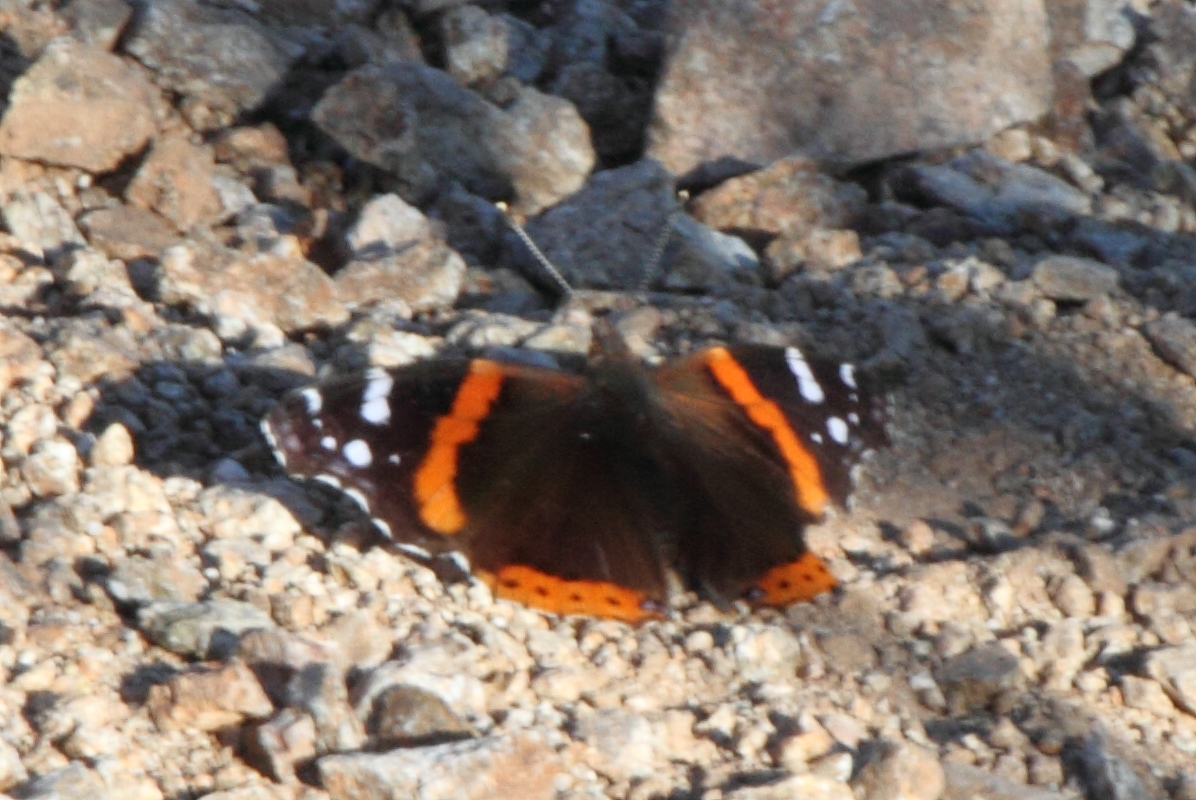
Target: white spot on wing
358 498
375 400
460 561
837 428
816 438
807 384
357 453
847 375
328 443
394 458
330 480
853 418
314 400
382 526
412 550
269 434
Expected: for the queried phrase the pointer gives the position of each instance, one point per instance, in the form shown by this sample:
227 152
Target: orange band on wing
559 596
435 480
807 477
797 581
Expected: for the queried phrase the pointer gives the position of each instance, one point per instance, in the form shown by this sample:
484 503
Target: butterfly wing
768 437
512 466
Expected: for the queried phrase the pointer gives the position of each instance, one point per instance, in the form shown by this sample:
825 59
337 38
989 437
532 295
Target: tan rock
175 180
209 699
521 765
73 82
755 81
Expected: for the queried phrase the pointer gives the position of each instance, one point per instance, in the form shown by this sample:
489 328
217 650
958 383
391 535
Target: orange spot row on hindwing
796 581
803 468
560 596
435 480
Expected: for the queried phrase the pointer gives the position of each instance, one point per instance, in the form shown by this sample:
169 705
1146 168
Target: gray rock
287 738
319 689
221 60
161 576
127 232
472 225
527 49
422 8
444 671
966 782
544 145
209 629
275 655
386 225
973 680
318 12
71 82
1111 242
1171 54
1175 669
73 780
12 771
418 123
1173 337
604 235
628 745
808 787
38 218
700 259
1000 194
754 81
475 45
405 716
1108 776
1094 35
1071 278
616 110
52 468
98 22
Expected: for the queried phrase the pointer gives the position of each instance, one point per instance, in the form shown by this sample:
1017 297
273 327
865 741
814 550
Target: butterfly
598 492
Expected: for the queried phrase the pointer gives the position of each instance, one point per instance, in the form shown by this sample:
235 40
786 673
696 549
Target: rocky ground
208 204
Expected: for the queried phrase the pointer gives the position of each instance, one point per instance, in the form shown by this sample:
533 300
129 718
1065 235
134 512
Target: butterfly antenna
545 264
652 265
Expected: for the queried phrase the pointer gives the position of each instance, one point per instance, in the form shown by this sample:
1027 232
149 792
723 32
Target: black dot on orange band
542 591
614 601
785 584
575 597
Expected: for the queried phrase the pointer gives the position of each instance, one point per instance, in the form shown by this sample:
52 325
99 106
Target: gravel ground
208 205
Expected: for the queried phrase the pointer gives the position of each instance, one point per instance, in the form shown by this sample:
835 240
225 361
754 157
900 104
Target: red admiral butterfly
585 493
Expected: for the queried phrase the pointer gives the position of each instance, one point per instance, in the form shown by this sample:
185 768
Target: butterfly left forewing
493 461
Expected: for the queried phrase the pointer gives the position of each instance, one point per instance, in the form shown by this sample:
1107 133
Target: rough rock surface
754 81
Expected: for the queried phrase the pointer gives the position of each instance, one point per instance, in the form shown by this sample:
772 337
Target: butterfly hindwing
769 436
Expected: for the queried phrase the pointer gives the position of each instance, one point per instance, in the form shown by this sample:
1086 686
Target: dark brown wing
509 465
767 437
